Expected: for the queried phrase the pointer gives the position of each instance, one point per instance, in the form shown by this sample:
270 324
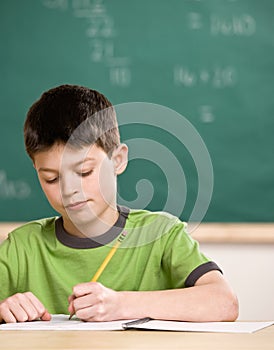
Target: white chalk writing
13 189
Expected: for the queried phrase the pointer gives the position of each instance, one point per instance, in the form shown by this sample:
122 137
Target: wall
249 269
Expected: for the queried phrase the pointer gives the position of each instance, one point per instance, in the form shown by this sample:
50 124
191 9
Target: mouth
76 205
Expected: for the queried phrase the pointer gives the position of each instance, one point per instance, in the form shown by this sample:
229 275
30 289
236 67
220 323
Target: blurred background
211 61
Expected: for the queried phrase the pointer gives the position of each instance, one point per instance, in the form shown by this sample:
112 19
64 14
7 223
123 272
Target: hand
94 302
22 307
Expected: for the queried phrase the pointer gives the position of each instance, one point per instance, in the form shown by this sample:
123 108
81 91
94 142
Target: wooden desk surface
119 340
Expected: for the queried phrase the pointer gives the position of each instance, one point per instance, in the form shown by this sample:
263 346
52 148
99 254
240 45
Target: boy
72 137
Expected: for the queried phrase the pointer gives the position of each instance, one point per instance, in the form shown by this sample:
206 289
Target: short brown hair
74 114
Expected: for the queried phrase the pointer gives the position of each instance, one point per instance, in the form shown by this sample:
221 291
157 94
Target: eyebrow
76 164
47 170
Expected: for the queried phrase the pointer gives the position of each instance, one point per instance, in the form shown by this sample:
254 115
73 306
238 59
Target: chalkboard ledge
259 233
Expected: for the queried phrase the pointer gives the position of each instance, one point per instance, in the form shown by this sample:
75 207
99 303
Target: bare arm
211 299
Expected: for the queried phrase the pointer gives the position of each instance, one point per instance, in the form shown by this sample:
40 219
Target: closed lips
75 204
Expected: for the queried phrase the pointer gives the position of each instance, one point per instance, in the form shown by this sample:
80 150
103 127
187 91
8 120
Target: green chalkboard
200 70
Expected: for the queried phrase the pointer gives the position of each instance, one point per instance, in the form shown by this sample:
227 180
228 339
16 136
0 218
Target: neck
94 227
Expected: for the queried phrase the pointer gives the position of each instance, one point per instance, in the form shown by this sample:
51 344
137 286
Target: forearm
211 299
200 303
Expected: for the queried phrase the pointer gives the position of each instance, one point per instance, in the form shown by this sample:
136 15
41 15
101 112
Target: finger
20 307
86 314
36 309
6 315
85 301
71 298
86 288
89 307
71 306
46 316
85 296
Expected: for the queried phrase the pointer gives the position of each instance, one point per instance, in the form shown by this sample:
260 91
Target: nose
70 185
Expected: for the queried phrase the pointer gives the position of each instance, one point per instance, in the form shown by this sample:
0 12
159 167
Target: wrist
131 305
122 306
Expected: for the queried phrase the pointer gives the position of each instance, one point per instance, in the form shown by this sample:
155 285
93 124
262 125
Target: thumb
46 316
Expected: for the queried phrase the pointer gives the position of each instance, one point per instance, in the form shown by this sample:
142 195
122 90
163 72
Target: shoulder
166 221
141 215
33 229
150 226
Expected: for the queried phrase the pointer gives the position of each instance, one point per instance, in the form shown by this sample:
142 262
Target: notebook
62 322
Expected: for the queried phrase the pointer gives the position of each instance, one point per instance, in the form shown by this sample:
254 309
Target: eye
51 181
86 173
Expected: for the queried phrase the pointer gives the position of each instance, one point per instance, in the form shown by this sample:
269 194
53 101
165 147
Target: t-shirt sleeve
8 268
183 261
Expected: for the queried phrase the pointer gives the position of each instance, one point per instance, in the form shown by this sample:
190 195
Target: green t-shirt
156 254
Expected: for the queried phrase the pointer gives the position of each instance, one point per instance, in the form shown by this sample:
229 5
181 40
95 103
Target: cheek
101 185
53 194
108 186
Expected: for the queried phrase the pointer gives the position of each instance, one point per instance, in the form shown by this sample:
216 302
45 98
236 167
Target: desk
119 340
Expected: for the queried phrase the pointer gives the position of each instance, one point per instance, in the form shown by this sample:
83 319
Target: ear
120 158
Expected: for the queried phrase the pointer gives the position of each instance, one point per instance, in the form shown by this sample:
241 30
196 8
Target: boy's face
80 184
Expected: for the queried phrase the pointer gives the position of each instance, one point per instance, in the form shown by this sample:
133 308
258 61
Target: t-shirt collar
99 241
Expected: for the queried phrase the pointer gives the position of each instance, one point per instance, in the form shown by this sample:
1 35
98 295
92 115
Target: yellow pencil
107 259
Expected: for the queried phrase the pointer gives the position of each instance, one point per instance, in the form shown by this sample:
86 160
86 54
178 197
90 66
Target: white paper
62 323
221 327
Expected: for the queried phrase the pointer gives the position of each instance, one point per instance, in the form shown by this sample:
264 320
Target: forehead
60 155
